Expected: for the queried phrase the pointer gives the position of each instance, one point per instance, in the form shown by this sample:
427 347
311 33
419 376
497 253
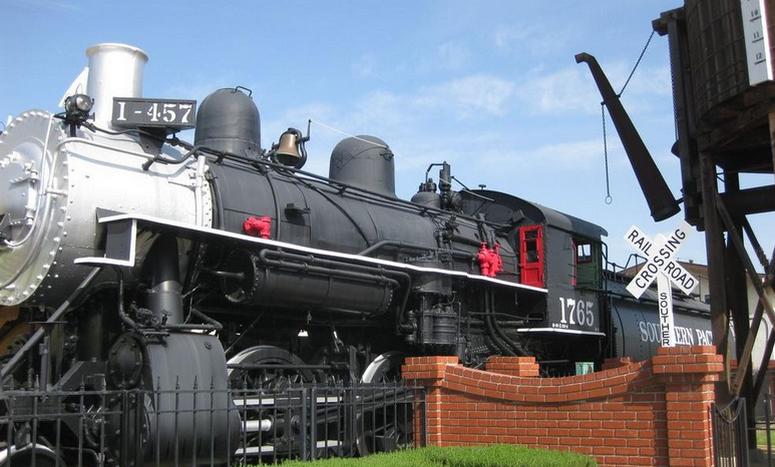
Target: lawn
761 437
484 456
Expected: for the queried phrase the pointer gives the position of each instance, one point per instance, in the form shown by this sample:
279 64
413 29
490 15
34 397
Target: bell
287 152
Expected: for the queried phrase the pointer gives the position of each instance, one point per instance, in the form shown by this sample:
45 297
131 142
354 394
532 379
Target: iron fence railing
287 421
765 429
730 431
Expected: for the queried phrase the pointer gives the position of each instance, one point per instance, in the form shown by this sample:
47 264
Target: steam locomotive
132 259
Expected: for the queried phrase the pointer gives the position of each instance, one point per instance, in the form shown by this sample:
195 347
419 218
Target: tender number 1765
577 312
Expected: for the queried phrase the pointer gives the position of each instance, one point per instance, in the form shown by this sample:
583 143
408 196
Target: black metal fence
124 428
765 430
730 442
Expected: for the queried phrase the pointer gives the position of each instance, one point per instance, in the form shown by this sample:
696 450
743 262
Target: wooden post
716 250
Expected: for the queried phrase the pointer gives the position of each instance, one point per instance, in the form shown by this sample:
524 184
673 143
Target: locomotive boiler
132 259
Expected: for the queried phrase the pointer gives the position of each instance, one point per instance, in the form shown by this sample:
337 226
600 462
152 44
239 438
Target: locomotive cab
563 254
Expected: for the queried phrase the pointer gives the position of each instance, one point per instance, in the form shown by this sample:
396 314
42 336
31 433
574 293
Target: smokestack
115 70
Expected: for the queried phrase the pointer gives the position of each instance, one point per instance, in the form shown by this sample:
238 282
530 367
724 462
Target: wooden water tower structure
722 56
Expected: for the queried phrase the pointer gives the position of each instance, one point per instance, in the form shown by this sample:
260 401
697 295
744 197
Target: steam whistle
658 196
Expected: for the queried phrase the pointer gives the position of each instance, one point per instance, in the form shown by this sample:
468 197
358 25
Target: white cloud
535 39
452 55
654 81
568 154
563 90
468 96
398 113
365 66
559 156
379 108
507 37
572 89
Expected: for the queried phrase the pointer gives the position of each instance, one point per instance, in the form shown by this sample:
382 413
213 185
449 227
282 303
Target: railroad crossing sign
661 266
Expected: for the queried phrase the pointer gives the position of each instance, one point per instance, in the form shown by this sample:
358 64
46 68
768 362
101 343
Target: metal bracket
120 244
292 209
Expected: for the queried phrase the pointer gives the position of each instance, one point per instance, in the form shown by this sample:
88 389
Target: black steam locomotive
131 259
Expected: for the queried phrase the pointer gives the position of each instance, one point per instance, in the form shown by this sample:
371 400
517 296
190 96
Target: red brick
663 360
604 450
627 451
595 442
694 434
690 406
679 462
602 415
567 423
641 461
599 393
696 453
616 460
590 424
615 424
508 439
638 425
583 449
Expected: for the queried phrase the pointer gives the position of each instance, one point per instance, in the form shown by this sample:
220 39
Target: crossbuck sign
667 272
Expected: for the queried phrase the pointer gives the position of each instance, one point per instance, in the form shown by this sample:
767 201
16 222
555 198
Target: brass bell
287 152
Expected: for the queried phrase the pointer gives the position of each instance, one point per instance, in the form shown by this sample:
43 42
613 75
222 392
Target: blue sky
491 87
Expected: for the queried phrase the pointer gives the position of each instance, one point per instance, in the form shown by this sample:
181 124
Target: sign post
661 267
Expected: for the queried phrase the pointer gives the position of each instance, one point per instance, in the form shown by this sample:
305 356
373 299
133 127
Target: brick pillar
512 366
689 374
428 372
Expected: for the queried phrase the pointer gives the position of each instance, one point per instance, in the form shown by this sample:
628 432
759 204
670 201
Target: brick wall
654 412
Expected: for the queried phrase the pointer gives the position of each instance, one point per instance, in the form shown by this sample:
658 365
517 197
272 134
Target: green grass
761 437
484 456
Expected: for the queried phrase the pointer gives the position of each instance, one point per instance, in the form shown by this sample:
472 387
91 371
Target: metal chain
608 198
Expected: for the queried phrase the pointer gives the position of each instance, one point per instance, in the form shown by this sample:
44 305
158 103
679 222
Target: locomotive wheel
43 455
383 430
255 384
266 378
384 369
